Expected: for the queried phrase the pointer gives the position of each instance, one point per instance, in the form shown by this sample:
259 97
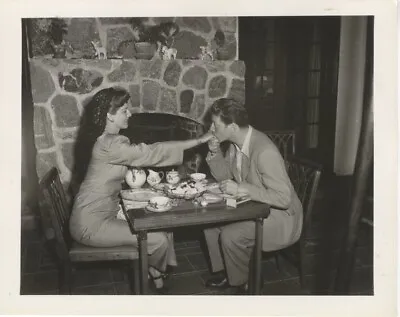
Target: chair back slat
285 141
305 176
55 211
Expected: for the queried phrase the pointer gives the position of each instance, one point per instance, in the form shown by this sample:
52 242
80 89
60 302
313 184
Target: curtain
352 63
29 178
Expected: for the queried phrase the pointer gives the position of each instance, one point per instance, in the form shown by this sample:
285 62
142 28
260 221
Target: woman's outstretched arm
188 144
157 154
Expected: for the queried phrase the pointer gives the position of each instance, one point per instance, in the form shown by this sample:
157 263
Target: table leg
144 263
257 256
136 277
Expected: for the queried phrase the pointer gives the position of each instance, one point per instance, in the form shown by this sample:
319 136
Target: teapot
173 177
154 178
135 177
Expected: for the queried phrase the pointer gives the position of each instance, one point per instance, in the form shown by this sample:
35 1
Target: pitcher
154 178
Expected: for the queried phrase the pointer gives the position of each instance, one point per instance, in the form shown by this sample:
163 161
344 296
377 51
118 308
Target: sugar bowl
173 177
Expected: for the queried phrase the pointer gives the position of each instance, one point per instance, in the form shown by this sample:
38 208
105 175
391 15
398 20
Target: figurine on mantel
100 50
168 53
211 51
206 53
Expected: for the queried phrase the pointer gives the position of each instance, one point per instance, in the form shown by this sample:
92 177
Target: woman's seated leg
116 232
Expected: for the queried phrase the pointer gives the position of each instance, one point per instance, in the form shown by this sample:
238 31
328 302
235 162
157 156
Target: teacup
159 202
197 176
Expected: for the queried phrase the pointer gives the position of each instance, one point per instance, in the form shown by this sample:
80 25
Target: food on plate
187 188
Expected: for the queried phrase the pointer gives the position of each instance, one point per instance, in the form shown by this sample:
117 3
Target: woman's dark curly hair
92 125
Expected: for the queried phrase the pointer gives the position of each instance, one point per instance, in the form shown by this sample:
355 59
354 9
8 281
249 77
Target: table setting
153 194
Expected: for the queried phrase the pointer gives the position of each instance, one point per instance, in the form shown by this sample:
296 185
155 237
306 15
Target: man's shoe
237 290
242 290
219 282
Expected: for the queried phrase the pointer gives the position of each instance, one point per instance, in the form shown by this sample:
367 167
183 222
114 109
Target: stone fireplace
168 98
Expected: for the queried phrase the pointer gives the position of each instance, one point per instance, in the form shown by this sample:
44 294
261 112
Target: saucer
165 208
159 186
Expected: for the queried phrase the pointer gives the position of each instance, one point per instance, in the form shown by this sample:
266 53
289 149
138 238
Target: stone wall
194 32
61 88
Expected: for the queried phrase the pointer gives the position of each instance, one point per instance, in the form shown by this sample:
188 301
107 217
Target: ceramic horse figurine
206 53
100 50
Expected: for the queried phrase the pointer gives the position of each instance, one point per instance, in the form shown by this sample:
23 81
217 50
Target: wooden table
189 214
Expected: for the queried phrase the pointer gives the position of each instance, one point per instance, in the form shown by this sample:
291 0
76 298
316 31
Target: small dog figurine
168 53
100 50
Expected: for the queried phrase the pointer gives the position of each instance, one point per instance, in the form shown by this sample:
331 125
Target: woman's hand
206 137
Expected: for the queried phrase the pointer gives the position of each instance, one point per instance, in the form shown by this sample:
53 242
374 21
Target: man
252 165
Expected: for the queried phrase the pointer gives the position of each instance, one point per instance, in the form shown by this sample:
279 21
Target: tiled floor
39 273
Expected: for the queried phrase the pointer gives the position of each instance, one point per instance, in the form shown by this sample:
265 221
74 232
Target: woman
93 220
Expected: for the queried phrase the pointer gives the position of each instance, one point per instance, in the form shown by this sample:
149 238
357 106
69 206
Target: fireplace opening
158 127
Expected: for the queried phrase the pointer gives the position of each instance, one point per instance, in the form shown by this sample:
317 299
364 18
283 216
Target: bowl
197 176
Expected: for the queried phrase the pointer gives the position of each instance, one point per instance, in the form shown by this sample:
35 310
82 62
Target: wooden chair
285 140
305 176
55 214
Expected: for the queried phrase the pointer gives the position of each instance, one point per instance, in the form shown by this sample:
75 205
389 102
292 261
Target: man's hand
229 187
213 144
206 137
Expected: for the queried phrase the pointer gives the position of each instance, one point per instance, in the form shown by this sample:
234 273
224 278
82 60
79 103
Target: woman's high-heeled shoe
155 285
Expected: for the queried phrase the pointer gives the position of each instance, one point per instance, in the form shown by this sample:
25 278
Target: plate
159 186
138 194
132 204
184 196
151 208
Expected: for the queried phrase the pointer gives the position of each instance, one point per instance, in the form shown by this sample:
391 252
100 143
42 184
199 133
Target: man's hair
230 111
